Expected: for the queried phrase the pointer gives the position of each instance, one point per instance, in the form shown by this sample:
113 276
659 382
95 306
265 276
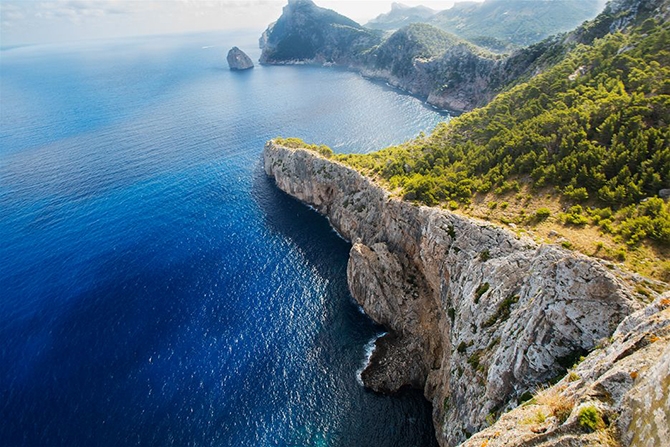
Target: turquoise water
155 287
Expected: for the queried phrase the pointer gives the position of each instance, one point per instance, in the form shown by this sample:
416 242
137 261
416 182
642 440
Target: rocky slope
477 316
626 381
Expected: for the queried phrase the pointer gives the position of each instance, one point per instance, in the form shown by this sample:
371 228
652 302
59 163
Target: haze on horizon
56 21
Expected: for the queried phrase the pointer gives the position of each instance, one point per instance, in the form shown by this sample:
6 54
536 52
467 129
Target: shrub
574 216
297 143
560 406
503 312
589 418
575 194
541 214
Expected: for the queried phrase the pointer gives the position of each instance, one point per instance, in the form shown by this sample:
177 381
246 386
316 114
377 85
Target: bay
155 287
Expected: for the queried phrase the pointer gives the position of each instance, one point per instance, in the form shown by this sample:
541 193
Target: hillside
583 146
510 23
401 16
498 25
447 71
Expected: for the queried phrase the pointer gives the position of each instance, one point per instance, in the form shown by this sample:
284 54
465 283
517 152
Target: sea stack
238 60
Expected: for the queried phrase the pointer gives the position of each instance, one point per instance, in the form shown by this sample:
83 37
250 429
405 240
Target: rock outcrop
238 60
477 316
627 381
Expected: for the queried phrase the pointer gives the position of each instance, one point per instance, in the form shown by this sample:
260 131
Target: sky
55 21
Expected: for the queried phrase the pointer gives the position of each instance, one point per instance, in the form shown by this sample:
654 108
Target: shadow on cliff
302 226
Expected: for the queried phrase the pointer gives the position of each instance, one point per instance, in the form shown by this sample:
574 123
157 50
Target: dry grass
516 210
603 438
559 405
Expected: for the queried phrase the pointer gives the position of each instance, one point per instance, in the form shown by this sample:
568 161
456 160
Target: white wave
369 350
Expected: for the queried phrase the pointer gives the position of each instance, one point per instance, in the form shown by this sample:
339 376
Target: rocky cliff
238 60
477 316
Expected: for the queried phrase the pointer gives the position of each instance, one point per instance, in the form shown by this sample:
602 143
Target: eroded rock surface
481 315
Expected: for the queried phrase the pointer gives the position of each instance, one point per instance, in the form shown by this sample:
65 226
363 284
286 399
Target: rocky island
238 60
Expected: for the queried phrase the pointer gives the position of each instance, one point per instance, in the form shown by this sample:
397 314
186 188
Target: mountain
400 16
308 33
515 22
498 25
454 74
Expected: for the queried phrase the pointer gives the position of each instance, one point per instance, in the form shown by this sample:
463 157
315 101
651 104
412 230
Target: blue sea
156 289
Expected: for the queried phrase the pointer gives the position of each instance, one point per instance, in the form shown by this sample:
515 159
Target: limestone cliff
477 315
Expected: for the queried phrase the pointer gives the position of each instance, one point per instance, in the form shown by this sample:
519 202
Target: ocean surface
156 289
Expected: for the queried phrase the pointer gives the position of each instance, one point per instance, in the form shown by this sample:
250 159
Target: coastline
418 272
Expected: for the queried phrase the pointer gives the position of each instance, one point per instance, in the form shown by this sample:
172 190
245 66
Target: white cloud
30 21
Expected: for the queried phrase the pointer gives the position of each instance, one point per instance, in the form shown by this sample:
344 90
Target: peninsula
516 340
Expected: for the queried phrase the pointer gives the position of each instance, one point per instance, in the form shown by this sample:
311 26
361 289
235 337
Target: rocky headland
479 317
446 70
238 60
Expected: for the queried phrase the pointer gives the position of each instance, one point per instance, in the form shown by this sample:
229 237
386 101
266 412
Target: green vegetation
499 26
541 214
462 347
589 418
481 290
519 22
297 143
503 312
399 52
593 130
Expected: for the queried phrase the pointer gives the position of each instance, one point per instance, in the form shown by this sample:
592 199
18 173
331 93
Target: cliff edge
478 317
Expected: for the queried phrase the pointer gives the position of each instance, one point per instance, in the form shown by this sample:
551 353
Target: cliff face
477 315
626 380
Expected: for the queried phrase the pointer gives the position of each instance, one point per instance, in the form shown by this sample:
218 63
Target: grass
559 405
538 215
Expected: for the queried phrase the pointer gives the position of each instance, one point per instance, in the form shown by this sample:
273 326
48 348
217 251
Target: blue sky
51 21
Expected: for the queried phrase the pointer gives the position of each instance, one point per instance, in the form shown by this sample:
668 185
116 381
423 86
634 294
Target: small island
238 60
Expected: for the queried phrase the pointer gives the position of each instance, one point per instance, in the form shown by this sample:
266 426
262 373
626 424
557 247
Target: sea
156 288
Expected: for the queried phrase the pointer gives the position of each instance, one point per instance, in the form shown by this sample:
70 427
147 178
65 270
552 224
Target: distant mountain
517 22
499 25
308 33
401 16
